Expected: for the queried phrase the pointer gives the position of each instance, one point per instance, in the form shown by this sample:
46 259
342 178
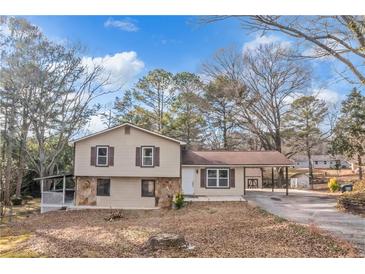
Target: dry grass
28 208
224 229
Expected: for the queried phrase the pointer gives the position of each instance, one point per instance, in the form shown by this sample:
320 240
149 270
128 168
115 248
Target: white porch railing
52 198
54 193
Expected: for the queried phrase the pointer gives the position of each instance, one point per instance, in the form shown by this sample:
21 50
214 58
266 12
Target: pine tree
303 126
350 129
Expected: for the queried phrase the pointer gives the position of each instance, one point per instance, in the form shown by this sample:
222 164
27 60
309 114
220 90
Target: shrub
179 200
333 185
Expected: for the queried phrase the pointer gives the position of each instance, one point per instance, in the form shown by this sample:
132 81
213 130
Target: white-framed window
102 155
217 178
147 156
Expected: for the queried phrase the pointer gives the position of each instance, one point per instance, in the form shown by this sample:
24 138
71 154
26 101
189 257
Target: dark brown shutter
231 178
111 156
138 156
93 156
202 177
156 156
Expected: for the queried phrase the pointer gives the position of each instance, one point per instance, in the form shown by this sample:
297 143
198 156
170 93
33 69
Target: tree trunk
360 166
310 168
225 141
9 140
22 148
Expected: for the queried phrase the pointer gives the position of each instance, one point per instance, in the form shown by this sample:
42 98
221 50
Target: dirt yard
322 176
230 229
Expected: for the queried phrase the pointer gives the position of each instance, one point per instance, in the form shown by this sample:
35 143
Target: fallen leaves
215 229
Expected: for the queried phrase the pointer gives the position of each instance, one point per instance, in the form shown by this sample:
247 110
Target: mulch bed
220 229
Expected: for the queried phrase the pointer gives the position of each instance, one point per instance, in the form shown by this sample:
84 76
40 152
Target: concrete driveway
308 207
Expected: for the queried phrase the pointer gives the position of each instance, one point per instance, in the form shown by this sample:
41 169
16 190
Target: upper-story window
147 156
102 156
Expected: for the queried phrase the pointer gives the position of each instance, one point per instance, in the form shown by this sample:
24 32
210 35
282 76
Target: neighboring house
130 167
321 161
299 180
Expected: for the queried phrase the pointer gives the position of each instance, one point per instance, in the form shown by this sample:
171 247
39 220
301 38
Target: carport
272 179
247 169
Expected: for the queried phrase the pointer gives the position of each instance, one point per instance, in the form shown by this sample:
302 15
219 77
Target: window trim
154 188
106 156
152 157
110 183
217 178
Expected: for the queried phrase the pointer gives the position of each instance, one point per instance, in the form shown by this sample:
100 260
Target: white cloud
126 24
121 67
291 97
328 95
95 124
264 40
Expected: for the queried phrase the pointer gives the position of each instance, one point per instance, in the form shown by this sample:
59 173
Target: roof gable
123 125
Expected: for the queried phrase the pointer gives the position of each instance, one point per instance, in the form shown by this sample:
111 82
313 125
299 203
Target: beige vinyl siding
125 155
125 193
254 173
237 190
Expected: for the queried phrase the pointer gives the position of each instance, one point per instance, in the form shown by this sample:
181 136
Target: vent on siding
127 130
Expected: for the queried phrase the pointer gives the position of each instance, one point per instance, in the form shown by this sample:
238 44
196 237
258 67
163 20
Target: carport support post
287 181
272 179
244 181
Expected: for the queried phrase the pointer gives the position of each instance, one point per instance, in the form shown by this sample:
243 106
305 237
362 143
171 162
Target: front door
252 183
187 178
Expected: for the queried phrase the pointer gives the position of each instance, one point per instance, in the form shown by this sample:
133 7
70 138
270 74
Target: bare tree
227 62
340 37
54 91
61 103
271 78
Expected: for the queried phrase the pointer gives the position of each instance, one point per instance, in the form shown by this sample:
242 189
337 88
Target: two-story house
131 167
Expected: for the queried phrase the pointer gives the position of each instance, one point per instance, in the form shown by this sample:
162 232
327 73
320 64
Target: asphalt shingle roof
262 158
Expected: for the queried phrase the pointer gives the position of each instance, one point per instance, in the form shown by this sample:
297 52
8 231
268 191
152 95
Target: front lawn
229 229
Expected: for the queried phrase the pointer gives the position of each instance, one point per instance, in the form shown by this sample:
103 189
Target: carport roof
244 158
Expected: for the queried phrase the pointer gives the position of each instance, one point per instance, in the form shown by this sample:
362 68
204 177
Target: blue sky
130 46
174 43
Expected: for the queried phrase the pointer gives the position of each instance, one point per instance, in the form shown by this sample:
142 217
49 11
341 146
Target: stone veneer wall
86 191
165 189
